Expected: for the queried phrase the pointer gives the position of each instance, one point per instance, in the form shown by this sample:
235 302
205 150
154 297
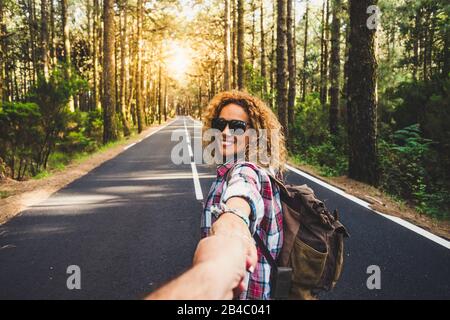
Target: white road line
197 186
329 187
129 146
417 229
366 205
441 241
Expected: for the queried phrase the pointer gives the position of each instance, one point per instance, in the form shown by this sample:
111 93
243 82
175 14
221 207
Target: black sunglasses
238 126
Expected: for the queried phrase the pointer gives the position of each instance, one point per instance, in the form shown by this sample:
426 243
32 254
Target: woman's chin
228 153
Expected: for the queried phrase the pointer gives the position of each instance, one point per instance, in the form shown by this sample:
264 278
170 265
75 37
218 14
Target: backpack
312 254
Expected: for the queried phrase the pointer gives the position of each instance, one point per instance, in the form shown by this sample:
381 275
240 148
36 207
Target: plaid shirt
253 184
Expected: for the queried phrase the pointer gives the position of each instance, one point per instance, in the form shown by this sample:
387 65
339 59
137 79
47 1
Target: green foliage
19 135
311 123
83 132
405 163
255 83
53 96
30 131
416 157
312 142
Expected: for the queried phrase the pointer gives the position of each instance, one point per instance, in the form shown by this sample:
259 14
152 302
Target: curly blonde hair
261 117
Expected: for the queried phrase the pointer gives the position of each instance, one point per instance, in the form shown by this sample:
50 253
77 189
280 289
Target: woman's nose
226 131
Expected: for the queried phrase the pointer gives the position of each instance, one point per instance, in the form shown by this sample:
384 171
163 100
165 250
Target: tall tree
253 34
109 79
272 55
324 52
96 36
53 56
240 44
160 102
227 47
66 36
335 66
67 49
305 51
44 39
33 32
362 96
282 73
2 51
124 66
263 51
291 51
234 44
139 75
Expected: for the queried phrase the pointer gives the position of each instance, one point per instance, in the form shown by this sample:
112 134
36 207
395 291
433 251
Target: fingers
252 257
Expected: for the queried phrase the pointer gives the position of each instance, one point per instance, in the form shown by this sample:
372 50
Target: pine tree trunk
446 54
263 51
32 41
139 13
159 95
362 96
165 98
416 45
305 50
53 56
282 73
335 66
344 112
124 68
66 41
2 51
324 54
227 48
44 39
66 38
234 46
109 92
240 44
272 57
253 34
292 68
95 38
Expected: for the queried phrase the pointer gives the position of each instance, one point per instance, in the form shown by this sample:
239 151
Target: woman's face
232 144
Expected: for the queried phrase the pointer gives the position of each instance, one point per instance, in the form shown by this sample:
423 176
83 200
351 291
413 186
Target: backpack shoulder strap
265 251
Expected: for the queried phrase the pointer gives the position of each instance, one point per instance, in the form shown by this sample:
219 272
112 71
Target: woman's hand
218 271
225 256
231 225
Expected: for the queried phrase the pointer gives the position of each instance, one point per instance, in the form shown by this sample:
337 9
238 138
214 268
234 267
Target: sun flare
178 61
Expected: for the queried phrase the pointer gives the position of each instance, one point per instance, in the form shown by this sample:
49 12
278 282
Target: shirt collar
222 169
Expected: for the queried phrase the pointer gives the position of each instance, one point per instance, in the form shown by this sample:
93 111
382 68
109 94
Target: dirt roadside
23 194
382 203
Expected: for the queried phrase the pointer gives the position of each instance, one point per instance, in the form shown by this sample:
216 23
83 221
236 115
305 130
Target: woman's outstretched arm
219 266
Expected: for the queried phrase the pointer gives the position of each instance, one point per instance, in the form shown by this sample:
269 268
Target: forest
360 87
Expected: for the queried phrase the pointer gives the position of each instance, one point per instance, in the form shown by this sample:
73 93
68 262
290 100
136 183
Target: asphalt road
133 223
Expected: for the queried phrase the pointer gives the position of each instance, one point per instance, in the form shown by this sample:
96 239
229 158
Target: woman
242 200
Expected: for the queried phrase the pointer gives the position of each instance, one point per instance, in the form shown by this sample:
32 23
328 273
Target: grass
4 194
42 175
324 171
59 160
